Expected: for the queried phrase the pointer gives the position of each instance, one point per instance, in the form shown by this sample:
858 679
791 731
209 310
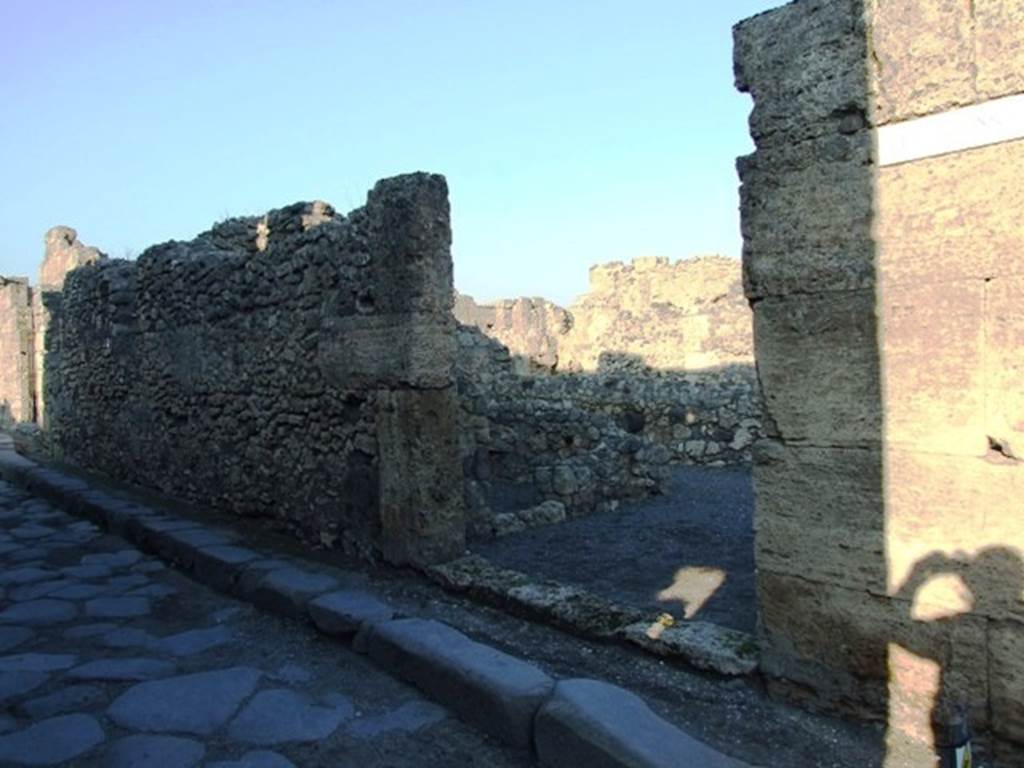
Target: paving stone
51 741
589 722
342 613
410 717
79 592
73 698
154 591
279 715
87 571
120 559
117 607
14 684
38 589
149 566
44 611
292 674
197 703
192 641
7 723
288 590
29 532
145 751
490 689
26 575
11 637
127 637
83 631
255 759
123 669
126 582
36 662
25 554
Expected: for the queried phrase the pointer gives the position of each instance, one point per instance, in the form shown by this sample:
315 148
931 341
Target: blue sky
571 133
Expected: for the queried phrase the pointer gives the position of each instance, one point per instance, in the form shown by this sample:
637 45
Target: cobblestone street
108 658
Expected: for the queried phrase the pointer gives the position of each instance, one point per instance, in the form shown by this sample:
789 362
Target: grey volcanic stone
277 716
220 566
154 591
7 723
119 559
490 689
127 637
192 641
128 581
25 575
74 698
199 703
36 662
86 571
411 716
51 741
117 607
593 723
288 590
45 611
123 669
13 636
83 631
144 751
256 759
14 684
79 592
39 589
345 611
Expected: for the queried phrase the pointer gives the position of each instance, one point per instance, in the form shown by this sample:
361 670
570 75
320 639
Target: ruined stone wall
297 367
882 258
648 314
17 403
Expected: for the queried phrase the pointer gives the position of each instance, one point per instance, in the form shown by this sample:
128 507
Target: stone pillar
16 368
882 256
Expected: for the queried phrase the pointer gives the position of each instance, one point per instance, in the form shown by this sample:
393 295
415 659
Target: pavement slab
145 751
123 669
276 716
51 741
39 612
73 698
198 703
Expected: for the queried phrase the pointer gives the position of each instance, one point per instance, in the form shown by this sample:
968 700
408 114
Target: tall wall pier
297 366
883 241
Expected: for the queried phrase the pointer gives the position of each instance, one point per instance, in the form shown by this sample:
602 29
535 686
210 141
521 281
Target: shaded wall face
886 291
298 367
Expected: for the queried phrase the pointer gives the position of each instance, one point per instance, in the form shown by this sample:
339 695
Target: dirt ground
660 554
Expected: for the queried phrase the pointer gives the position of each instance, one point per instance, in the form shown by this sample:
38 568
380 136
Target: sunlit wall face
885 271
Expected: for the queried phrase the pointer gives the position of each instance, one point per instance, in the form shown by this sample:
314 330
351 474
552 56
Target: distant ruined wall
650 313
16 352
297 367
24 320
883 240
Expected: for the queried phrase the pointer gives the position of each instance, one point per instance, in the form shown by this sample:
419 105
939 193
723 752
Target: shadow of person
991 585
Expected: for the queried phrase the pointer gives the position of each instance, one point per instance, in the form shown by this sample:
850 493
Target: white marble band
992 122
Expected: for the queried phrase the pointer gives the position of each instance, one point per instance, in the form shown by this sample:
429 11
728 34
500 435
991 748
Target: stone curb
706 646
507 697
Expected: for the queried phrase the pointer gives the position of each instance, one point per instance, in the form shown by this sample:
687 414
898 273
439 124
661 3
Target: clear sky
571 132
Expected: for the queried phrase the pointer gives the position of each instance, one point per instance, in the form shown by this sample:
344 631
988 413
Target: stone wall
886 290
17 401
297 367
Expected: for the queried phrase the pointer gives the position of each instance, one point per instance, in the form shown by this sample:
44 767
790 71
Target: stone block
805 66
818 362
932 360
221 565
998 52
1006 679
489 689
288 590
1004 364
934 222
593 723
922 54
345 612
